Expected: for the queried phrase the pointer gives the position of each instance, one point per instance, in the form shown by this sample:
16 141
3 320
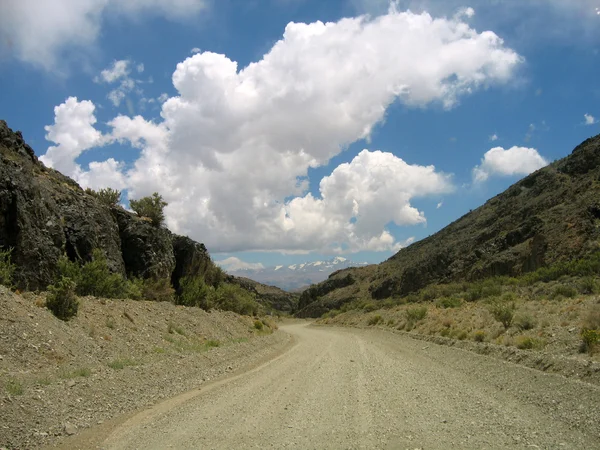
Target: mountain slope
552 215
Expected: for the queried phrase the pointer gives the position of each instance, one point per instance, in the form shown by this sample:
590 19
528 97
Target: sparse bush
97 280
62 300
375 320
331 314
258 325
462 335
588 285
563 291
391 323
7 268
528 343
119 364
415 314
449 302
79 372
370 307
195 292
110 197
212 343
503 313
151 207
231 297
158 290
524 322
14 387
590 339
479 336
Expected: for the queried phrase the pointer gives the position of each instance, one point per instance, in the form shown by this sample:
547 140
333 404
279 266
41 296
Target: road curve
354 389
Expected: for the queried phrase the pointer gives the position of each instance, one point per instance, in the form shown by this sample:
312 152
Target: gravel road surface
352 389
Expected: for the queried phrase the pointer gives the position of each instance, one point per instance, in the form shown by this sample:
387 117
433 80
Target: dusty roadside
59 378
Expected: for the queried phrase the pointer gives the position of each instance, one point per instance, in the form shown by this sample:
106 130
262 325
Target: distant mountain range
296 276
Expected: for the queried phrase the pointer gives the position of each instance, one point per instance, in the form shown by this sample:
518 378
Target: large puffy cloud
514 161
232 153
359 199
37 31
73 132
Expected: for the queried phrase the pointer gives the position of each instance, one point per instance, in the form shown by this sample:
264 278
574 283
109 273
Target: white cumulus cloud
589 119
39 31
73 132
514 161
232 264
232 151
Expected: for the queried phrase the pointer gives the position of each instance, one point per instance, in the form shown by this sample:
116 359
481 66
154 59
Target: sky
286 131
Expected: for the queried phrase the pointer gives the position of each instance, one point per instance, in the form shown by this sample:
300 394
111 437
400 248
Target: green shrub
479 336
590 339
14 387
97 280
524 322
563 291
231 297
110 197
7 268
462 335
195 292
151 207
588 285
528 343
158 290
370 306
375 320
503 313
119 364
474 293
415 314
449 302
258 325
62 300
212 343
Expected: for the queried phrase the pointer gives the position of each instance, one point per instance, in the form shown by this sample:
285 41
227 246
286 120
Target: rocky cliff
552 215
44 214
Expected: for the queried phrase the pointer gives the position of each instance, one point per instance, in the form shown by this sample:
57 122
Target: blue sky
357 128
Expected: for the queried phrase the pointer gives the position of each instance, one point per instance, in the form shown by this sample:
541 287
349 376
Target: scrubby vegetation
151 207
62 300
110 197
7 268
526 312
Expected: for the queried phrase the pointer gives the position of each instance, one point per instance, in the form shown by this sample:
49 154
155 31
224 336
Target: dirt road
351 389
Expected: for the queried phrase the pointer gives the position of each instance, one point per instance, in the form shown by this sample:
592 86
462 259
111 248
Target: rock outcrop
550 216
44 214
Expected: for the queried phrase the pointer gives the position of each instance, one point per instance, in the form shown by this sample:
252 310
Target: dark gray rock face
191 258
147 250
44 214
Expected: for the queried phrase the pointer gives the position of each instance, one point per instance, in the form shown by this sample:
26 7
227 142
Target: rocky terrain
58 378
549 216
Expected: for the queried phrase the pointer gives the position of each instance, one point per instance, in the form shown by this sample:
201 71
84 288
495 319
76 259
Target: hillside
550 216
270 296
296 277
